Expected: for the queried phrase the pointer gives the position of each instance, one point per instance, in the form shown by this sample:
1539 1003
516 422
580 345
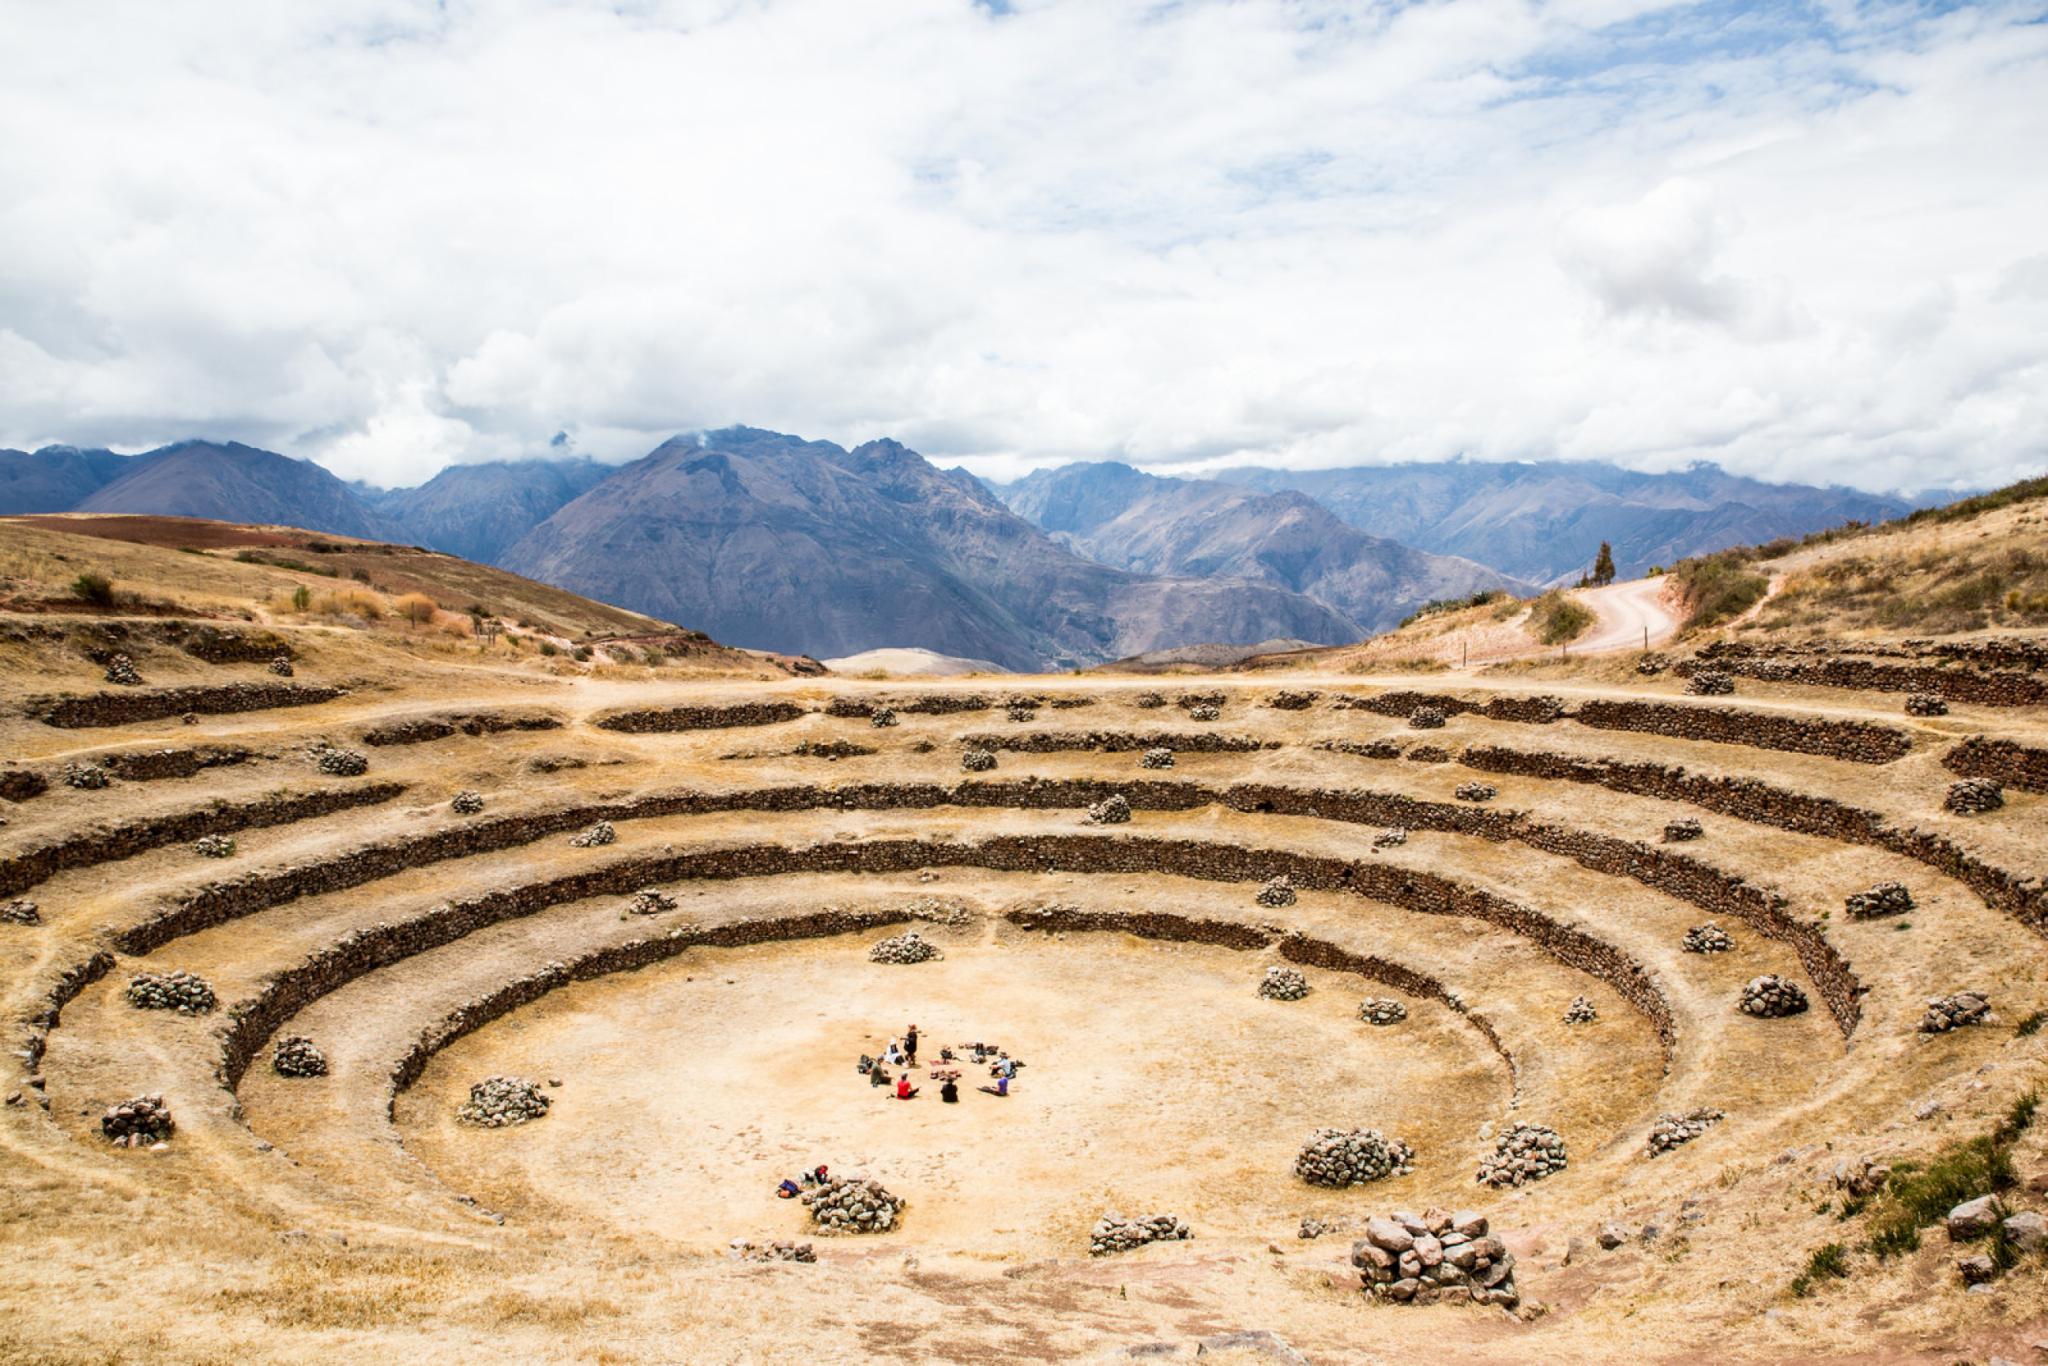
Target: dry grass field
696 1055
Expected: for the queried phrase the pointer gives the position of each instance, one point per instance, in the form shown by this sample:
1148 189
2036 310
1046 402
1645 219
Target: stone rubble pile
1925 704
1683 829
1312 1227
121 669
1886 898
496 1102
132 1123
1148 700
1580 1011
780 1251
340 763
1283 984
977 761
296 1056
214 846
1156 758
1710 683
1476 792
1974 796
1204 713
1351 1157
882 717
1426 718
178 990
907 947
1649 666
21 911
1379 1010
1771 997
1111 810
599 834
467 802
90 777
1387 839
938 912
1293 701
1527 1152
1707 938
1672 1130
1421 1261
650 901
1952 1012
281 666
1277 892
852 1204
1113 1233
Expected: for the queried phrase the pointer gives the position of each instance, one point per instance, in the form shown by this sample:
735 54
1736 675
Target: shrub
547 648
1439 605
1716 588
2030 1026
1829 1262
1916 1197
302 598
416 608
1556 618
93 587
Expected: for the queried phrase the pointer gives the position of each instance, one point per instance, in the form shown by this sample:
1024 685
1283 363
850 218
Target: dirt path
1636 615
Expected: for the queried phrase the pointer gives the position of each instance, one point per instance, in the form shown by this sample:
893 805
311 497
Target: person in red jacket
904 1090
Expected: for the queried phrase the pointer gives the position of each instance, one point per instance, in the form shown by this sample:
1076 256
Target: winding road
1634 615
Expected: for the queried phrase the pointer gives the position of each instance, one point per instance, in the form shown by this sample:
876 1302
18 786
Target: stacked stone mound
1710 683
21 911
281 666
1426 718
1683 829
882 716
853 1204
977 761
1925 704
1649 666
1771 997
907 947
341 763
1974 796
184 992
1438 1256
1277 892
121 669
88 777
1156 758
1580 1011
1020 713
1283 984
599 834
1670 1131
1377 1010
1387 839
1476 792
466 802
781 1251
1708 938
296 1056
1525 1153
1113 1233
1204 713
132 1123
1953 1012
496 1102
1351 1157
1886 898
1293 701
1312 1227
214 846
650 901
1149 700
1111 810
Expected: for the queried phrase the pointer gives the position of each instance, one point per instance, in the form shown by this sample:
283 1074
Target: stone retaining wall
656 719
422 729
148 765
155 704
1859 742
1992 689
1118 742
2000 760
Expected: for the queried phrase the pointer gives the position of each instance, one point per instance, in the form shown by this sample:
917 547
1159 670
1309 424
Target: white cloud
389 234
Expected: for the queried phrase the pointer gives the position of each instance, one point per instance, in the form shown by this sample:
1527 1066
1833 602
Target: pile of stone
1378 1010
1580 1011
214 846
466 802
1953 1012
1156 757
1974 796
90 777
1312 1227
771 1252
281 666
1476 792
296 1056
1672 1130
20 911
937 911
977 761
598 834
1925 704
132 1123
340 763
1277 891
907 947
121 669
650 901
1149 700
1426 718
1710 683
1886 898
1387 839
852 1204
1708 938
1019 712
1283 984
1204 713
1649 666
1683 829
496 1102
882 716
1111 810
1293 701
1525 1153
1352 1157
1421 1261
184 992
1113 1233
1771 997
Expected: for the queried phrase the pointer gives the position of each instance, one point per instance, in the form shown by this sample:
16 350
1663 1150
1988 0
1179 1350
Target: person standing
910 1045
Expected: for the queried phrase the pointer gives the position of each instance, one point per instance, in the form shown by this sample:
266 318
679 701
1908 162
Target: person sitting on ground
820 1174
894 1055
878 1075
787 1190
1001 1088
910 1045
945 1055
865 1065
904 1090
950 1092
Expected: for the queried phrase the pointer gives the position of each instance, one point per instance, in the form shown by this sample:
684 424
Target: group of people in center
902 1053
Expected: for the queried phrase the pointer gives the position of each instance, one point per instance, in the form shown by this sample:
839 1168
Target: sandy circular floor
1157 1080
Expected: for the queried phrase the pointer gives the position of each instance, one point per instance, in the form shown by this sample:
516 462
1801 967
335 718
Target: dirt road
1627 611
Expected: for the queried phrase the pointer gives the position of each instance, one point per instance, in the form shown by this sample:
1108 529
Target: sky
1807 242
